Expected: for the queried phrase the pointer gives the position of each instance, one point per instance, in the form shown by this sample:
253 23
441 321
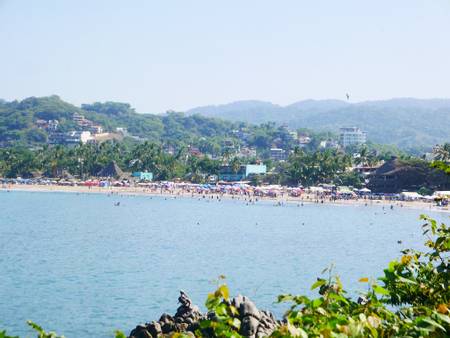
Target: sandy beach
180 193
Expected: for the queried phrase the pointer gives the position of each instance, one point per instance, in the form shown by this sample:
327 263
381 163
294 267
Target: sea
84 266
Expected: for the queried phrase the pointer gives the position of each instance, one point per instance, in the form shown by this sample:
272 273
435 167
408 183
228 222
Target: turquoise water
77 264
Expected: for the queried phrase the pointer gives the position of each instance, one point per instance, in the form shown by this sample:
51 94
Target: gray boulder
254 323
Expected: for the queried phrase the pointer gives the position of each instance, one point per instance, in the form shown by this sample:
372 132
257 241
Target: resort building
228 145
278 154
95 129
81 120
49 125
246 152
76 137
226 173
143 175
329 144
73 137
56 138
194 151
352 136
122 130
86 124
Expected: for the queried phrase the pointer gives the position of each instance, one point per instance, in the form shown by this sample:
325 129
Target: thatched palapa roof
111 170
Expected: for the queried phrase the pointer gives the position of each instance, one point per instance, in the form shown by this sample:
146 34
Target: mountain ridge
406 122
409 123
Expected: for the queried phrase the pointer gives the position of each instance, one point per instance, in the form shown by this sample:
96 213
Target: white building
75 137
352 136
95 129
278 154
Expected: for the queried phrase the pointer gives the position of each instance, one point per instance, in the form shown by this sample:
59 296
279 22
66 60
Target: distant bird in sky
348 96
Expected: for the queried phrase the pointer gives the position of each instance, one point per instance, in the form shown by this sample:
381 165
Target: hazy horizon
159 56
243 101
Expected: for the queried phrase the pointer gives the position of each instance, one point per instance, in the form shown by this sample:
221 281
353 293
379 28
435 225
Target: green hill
406 123
18 121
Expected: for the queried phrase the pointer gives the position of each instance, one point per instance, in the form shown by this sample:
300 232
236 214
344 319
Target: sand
279 200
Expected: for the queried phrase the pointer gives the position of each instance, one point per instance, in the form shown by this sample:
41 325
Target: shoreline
179 193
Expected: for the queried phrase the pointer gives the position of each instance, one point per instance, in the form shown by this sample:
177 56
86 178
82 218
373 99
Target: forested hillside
407 123
19 125
18 121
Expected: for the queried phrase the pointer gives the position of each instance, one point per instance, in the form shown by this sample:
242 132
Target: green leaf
285 298
380 290
120 334
406 280
224 291
442 317
433 323
317 302
4 335
319 282
236 323
204 324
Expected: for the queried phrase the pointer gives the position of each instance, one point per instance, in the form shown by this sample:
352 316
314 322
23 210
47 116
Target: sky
160 55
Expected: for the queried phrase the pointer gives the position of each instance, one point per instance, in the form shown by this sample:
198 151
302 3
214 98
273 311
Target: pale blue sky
178 54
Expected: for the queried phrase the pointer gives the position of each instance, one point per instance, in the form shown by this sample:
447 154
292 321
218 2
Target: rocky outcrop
254 323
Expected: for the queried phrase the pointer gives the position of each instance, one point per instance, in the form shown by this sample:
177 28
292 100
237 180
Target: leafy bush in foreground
411 299
416 285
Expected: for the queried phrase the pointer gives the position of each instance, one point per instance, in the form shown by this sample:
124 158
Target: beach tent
343 190
428 198
91 183
410 195
441 194
316 189
364 190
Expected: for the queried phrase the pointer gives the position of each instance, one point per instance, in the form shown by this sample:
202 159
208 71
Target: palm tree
235 165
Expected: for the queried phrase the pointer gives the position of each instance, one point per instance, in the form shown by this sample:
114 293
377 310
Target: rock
237 301
182 327
248 308
166 318
254 323
140 332
168 327
154 328
267 324
144 334
249 326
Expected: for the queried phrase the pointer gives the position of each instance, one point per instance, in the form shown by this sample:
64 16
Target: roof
111 170
442 193
388 167
409 194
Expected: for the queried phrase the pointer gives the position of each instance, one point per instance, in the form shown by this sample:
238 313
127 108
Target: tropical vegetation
302 167
19 126
410 124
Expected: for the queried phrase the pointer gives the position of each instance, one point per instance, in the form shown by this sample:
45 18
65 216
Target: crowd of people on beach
234 190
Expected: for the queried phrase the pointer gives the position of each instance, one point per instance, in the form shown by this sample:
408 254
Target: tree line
86 160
